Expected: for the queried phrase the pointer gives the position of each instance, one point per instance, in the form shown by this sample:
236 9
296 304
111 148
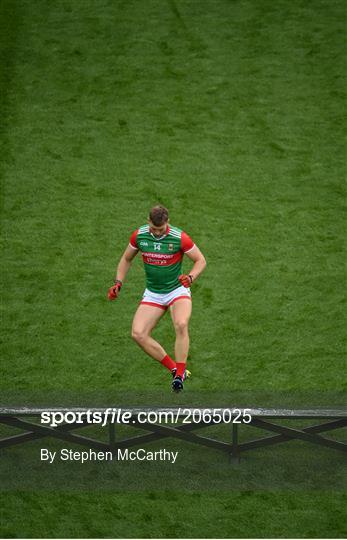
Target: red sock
181 366
168 362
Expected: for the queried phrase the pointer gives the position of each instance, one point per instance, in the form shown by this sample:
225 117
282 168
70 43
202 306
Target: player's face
157 230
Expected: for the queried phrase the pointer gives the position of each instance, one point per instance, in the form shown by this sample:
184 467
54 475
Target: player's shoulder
144 229
175 231
140 232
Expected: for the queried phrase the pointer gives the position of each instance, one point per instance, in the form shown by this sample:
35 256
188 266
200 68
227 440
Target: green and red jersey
162 256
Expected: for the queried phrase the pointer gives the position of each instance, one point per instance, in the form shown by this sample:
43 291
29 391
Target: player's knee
138 335
181 326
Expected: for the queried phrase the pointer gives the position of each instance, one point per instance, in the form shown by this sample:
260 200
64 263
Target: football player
162 247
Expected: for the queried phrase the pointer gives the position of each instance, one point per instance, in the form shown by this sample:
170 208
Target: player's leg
181 311
145 319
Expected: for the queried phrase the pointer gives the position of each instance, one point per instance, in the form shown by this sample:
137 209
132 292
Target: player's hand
114 291
185 280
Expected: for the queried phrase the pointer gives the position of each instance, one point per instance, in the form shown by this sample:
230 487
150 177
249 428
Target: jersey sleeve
186 242
133 241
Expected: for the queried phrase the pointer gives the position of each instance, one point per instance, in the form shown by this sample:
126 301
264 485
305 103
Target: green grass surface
110 516
230 114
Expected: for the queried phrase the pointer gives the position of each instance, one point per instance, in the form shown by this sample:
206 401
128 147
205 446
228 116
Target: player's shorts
165 300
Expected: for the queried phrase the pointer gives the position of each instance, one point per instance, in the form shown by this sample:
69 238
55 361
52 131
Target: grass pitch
228 113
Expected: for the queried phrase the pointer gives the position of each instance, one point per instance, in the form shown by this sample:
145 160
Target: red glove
114 291
185 280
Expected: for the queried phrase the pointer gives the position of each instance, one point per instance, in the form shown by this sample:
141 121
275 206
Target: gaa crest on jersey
171 247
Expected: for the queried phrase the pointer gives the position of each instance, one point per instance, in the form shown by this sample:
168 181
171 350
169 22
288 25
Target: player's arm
193 252
199 260
125 263
123 268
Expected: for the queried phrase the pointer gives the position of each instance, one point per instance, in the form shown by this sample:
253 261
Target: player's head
158 219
